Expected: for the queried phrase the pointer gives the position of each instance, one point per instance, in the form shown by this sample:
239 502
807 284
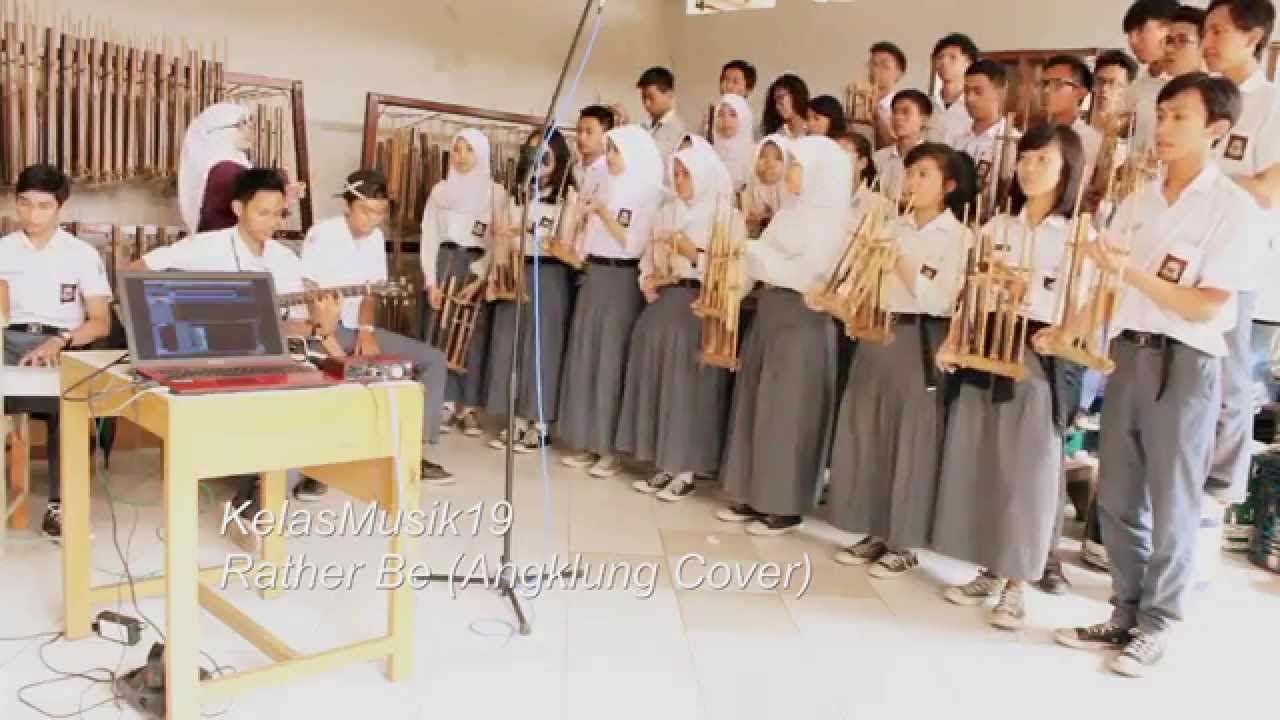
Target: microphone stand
504 582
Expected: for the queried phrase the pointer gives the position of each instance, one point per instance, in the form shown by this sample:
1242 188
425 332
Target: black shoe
309 490
1054 581
774 525
51 527
436 474
1102 636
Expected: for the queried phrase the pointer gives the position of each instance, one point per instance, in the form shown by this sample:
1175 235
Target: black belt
37 329
455 246
1268 323
689 283
929 342
1060 374
1155 341
613 262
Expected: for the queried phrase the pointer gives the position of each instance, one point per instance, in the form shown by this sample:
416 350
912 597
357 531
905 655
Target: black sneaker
436 474
309 490
1142 653
1094 637
1054 581
773 525
678 489
51 526
659 481
739 513
531 441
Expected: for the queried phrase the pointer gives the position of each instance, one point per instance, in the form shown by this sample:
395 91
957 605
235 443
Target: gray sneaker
1143 653
1011 612
974 592
1094 637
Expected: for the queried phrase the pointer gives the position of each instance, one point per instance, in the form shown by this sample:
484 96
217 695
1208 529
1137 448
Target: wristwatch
66 336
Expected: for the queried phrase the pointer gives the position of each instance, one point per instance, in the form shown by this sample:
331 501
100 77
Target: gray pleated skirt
554 279
779 424
604 313
884 465
1001 481
673 406
463 388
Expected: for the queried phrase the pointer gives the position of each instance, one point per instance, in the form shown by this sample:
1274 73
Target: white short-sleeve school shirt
332 257
1201 240
938 252
949 122
1250 147
225 251
49 285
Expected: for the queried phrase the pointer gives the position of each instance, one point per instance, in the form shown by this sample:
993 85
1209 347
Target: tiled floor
847 647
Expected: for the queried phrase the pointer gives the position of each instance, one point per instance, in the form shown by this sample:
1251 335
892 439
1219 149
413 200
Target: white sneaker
974 592
580 460
606 466
678 489
471 424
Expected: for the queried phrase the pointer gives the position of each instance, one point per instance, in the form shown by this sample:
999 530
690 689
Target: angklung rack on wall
408 140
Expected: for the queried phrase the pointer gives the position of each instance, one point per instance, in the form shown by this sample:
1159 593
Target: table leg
400 601
272 491
181 568
76 462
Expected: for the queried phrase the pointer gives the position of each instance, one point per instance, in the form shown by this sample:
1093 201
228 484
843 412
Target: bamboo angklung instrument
855 292
988 330
455 322
720 300
567 245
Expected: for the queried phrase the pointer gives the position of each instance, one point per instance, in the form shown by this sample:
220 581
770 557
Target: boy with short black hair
738 77
1187 258
1064 85
657 87
912 111
952 56
1146 25
887 65
985 84
1235 35
1182 53
60 299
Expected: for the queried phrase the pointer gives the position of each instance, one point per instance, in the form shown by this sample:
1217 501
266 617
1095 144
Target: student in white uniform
884 466
785 108
619 224
58 298
785 386
258 202
864 165
1182 46
887 66
912 113
657 87
767 195
1146 25
952 56
1002 479
1188 257
1065 83
731 137
458 224
738 77
674 405
591 173
350 249
985 85
1236 35
1113 72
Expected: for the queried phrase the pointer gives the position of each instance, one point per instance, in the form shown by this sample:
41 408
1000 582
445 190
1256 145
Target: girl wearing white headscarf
721 178
213 155
884 464
780 424
731 135
609 300
673 406
457 225
765 196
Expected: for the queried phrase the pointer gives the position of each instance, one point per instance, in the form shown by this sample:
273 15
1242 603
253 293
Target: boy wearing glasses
1064 86
1182 52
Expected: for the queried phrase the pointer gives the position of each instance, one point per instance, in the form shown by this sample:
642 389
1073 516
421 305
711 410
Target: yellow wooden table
341 436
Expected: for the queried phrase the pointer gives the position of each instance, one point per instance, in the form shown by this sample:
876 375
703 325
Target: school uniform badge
545 223
929 273
1236 147
1172 268
478 229
624 218
67 292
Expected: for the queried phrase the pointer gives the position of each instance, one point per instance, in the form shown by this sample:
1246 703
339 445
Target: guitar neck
298 299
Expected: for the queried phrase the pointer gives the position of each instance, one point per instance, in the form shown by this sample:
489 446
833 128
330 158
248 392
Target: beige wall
827 44
500 54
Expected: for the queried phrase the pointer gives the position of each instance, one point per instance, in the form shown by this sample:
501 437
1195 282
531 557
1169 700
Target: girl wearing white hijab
673 406
721 180
731 136
457 225
765 194
609 300
780 424
213 154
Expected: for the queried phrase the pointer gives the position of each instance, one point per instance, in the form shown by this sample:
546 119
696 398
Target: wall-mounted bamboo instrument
719 302
455 322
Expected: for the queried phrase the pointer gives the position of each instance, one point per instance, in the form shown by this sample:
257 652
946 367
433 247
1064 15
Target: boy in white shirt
887 66
1064 85
1187 256
58 297
349 250
912 111
952 56
1146 25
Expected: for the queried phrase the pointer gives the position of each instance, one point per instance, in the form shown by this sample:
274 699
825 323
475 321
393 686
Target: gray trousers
43 409
1260 346
1154 455
432 371
1229 475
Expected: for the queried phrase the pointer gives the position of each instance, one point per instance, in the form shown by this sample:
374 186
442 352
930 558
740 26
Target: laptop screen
176 317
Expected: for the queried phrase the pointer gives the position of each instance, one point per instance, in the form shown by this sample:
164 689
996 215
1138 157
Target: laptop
198 333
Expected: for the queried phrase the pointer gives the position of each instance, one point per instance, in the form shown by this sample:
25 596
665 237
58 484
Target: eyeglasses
1103 83
1180 40
1057 83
